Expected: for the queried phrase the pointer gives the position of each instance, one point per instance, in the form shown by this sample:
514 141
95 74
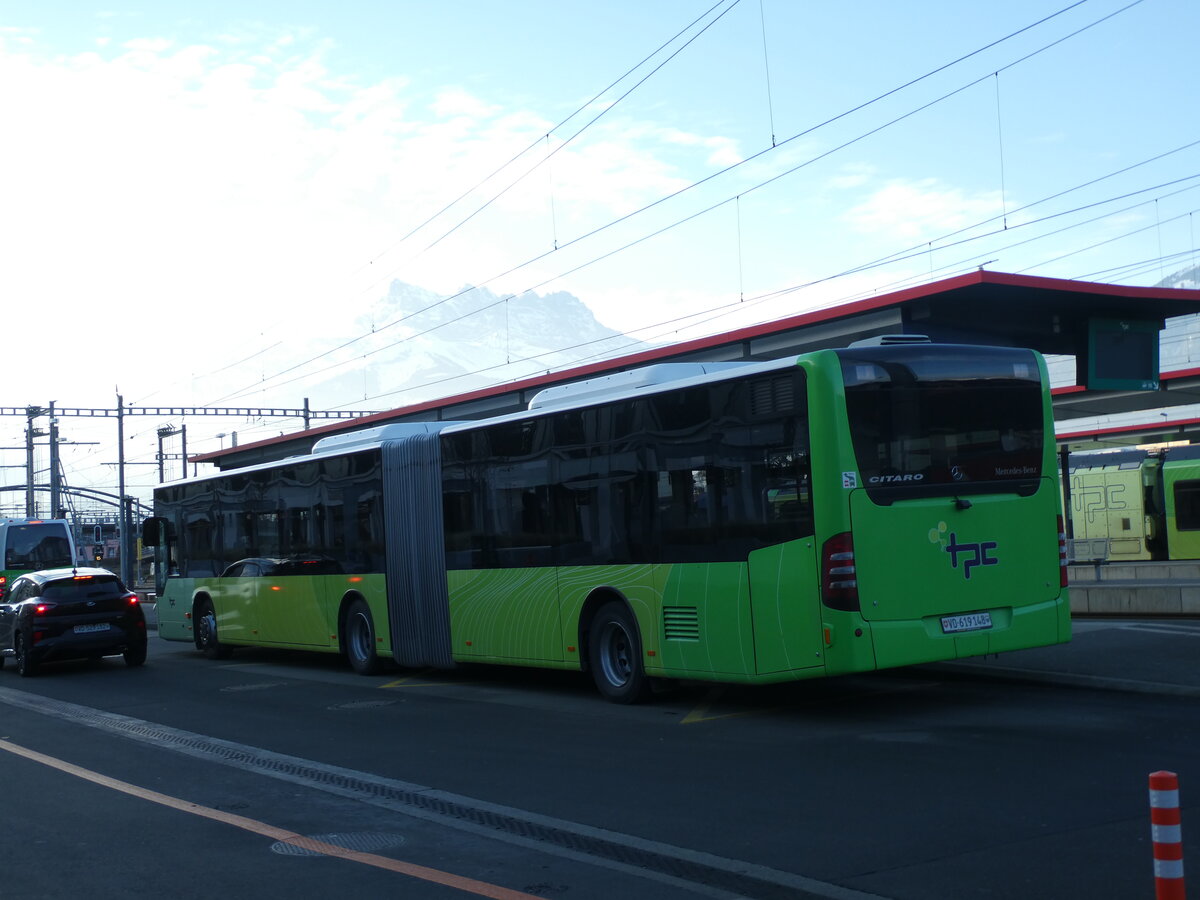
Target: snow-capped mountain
425 345
1185 278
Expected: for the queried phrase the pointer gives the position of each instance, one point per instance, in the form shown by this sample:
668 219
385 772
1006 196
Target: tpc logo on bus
971 555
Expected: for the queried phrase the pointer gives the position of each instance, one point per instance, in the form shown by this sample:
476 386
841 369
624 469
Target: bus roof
623 385
667 377
684 375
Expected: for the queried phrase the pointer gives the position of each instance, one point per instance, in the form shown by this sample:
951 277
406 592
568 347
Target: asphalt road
284 775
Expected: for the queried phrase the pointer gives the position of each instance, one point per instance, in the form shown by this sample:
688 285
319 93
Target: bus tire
615 655
26 667
207 641
360 639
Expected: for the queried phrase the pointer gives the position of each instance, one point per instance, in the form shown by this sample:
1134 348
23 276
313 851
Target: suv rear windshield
92 588
939 419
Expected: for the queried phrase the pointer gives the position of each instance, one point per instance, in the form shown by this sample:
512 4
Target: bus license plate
87 629
969 622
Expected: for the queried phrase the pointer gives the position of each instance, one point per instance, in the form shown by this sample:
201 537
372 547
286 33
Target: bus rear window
38 546
940 419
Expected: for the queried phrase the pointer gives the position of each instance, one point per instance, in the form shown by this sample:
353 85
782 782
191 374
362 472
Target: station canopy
1111 330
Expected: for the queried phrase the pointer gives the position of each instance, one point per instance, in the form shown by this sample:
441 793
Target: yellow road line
458 882
419 679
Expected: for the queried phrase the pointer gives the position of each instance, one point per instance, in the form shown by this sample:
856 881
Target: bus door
784 577
235 600
785 607
293 601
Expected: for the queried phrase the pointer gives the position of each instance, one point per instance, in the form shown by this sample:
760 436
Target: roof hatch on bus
623 382
372 437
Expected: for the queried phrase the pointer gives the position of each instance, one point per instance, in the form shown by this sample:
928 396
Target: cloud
853 176
723 151
455 102
914 210
238 191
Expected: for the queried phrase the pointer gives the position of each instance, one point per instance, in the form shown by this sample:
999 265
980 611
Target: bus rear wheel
615 655
360 639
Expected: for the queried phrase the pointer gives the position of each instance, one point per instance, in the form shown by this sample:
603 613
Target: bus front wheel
360 639
207 641
615 655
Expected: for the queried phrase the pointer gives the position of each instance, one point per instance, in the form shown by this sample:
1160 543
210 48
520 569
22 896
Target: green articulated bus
835 512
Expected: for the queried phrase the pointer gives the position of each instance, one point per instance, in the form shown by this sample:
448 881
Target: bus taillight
839 580
1062 553
3 586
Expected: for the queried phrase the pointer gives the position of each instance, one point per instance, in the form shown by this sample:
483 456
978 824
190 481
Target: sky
205 204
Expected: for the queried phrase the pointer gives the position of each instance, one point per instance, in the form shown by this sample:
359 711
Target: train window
1187 505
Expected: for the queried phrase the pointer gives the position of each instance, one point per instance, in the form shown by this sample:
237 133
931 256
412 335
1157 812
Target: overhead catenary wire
719 173
715 313
767 70
839 147
1000 142
546 137
729 4
1055 196
589 124
890 260
266 379
991 249
1139 267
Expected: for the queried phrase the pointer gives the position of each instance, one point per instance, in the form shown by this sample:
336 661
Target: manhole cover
363 704
363 842
260 686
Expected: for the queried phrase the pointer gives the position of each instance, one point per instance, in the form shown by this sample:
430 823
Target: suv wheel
25 666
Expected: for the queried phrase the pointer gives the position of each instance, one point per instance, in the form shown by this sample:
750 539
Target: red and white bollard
1165 828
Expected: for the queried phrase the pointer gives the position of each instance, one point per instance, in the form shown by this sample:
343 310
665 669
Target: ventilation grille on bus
681 623
770 396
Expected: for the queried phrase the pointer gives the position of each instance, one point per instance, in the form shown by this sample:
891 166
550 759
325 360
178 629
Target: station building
1110 391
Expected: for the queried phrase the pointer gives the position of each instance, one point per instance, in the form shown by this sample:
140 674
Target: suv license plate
87 629
969 622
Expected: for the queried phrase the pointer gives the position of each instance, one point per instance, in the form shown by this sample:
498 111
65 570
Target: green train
1133 505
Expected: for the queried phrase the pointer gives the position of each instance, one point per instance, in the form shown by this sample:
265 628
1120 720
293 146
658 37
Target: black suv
70 614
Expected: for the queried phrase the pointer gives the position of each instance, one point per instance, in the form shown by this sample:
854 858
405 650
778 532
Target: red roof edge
1149 428
646 357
